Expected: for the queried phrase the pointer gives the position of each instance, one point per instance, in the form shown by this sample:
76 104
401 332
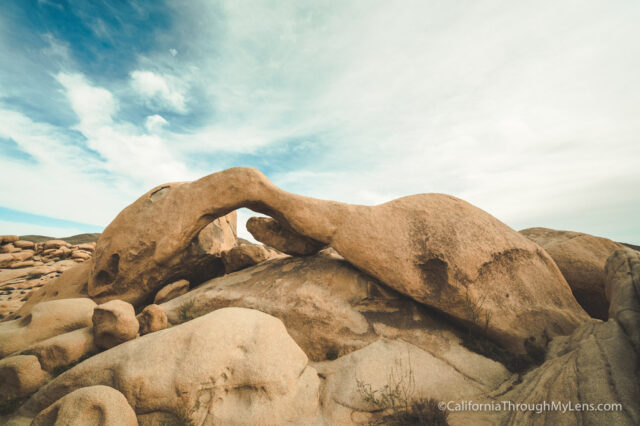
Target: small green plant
398 402
188 311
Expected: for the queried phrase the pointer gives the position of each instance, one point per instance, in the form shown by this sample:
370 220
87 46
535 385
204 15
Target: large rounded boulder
581 259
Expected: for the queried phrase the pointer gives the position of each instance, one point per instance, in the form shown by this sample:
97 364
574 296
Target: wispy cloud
160 91
524 109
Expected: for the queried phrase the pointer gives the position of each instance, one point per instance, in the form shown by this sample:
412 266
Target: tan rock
4 239
79 254
23 255
272 233
22 244
114 322
6 259
20 375
195 262
581 259
232 366
152 319
90 247
243 256
45 320
623 291
22 264
71 284
328 307
64 349
399 366
171 291
437 249
8 248
597 364
55 244
90 406
219 235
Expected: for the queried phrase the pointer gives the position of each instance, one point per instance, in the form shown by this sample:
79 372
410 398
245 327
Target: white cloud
162 91
94 106
155 123
524 109
130 153
64 181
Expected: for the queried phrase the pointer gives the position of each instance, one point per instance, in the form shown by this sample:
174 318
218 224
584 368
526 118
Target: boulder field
346 314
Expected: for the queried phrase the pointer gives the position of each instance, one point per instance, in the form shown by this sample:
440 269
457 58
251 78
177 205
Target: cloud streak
524 109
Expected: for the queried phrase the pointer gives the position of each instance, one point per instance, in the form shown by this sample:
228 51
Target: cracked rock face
437 249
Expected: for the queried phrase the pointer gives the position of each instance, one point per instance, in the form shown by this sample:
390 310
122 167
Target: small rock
22 264
241 257
151 319
92 405
55 244
270 232
114 322
20 376
79 254
8 248
6 259
4 239
24 244
90 247
171 291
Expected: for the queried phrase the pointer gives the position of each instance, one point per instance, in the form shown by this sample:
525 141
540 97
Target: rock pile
16 253
373 316
26 266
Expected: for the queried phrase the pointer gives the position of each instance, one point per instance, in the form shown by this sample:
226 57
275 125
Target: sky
526 109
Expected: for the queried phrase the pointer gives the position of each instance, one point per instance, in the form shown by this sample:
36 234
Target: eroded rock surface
403 366
45 320
329 307
64 349
437 249
581 259
597 364
272 233
246 255
90 406
20 376
171 291
152 319
114 322
230 366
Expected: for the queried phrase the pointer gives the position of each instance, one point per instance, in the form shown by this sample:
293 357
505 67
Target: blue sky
526 109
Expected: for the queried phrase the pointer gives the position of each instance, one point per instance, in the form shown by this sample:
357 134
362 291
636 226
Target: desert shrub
398 400
188 311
